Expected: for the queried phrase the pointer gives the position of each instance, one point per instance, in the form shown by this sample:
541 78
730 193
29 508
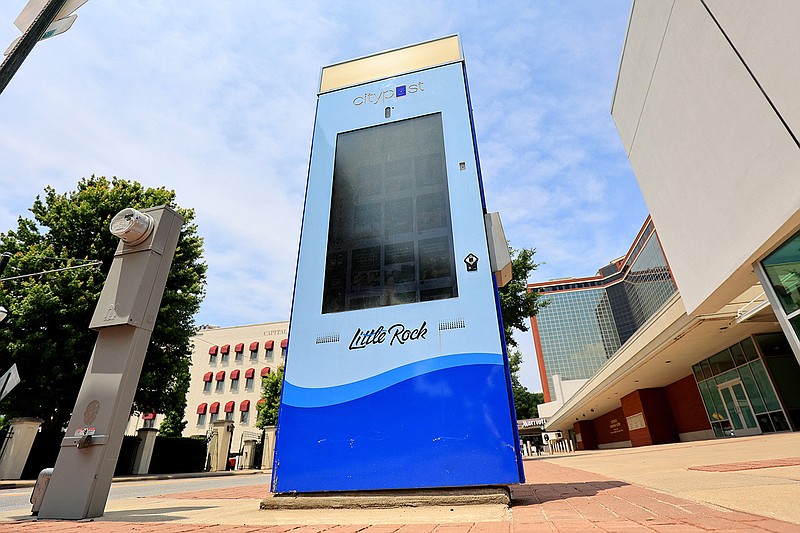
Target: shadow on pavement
545 492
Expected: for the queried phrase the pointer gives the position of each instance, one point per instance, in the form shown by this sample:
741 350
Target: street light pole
29 39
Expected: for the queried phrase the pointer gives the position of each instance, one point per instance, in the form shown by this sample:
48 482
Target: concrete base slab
391 499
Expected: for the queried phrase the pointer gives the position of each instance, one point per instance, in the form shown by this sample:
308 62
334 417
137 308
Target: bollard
42 480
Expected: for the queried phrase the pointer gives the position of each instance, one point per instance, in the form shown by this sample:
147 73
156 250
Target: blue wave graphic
449 428
296 396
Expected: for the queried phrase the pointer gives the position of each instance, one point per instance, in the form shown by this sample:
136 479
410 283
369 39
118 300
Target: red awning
239 348
208 376
249 373
284 343
235 374
268 345
214 409
265 372
254 346
213 350
245 405
201 409
226 348
262 401
229 406
149 416
221 375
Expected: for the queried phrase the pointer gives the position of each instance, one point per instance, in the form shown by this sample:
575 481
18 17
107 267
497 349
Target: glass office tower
589 319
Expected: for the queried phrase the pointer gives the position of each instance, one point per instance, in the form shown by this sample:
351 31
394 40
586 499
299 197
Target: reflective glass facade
737 389
783 270
578 333
588 320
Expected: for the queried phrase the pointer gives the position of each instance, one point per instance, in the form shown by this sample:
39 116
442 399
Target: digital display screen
390 239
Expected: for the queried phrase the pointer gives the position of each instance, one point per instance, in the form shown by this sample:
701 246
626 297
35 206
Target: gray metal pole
124 317
14 60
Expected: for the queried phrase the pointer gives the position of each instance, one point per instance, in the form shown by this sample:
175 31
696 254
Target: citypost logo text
384 96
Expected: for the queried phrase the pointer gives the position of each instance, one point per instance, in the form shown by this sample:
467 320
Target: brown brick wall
611 427
655 408
687 406
588 440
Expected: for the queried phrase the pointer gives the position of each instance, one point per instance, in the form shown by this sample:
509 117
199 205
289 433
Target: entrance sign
397 374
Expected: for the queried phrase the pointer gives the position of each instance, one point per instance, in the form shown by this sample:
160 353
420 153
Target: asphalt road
19 499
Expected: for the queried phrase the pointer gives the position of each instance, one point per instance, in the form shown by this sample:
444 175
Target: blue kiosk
397 373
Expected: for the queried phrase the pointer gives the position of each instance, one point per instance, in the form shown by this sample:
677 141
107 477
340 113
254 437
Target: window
212 355
207 378
254 351
244 409
284 346
249 376
783 270
149 420
235 380
214 410
201 419
224 351
220 381
229 408
268 347
392 243
207 386
239 351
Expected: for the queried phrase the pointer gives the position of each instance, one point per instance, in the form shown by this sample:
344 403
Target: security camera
132 226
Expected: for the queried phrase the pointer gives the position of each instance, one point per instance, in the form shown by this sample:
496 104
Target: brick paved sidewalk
555 498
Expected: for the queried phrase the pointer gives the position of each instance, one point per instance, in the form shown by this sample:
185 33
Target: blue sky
216 101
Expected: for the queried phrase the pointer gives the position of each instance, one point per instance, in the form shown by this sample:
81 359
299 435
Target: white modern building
707 110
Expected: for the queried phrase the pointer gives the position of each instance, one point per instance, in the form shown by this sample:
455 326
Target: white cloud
216 101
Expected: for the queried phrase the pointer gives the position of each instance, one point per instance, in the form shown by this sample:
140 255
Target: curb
29 483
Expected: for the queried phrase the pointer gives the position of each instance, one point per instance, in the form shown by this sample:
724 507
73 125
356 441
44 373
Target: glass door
740 413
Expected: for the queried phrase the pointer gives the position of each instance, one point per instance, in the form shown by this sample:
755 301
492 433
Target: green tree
47 334
517 304
525 402
270 399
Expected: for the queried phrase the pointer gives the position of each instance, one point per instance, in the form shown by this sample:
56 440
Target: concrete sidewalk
723 485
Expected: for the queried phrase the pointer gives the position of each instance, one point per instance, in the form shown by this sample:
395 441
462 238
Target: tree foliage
517 304
525 402
47 333
270 399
